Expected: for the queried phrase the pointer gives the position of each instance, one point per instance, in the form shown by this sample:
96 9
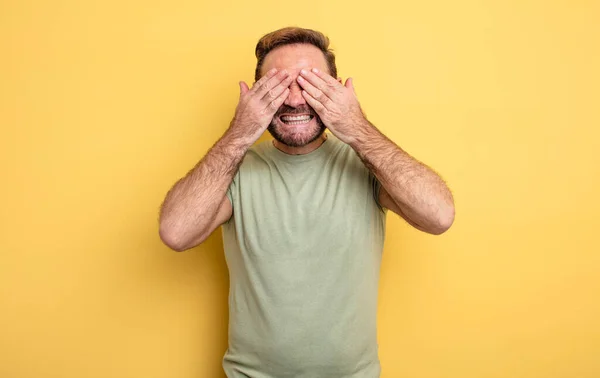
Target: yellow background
103 105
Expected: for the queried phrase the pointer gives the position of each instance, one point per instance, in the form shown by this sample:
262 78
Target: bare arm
410 188
189 211
197 203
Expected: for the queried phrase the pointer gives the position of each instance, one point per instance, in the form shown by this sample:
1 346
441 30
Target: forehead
294 58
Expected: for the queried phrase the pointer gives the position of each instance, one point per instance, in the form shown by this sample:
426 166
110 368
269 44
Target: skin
294 58
296 75
409 188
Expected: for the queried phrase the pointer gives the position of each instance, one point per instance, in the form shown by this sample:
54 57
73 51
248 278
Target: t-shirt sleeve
232 192
376 188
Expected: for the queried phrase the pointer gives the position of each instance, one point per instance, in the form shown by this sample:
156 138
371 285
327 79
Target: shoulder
345 154
257 161
259 150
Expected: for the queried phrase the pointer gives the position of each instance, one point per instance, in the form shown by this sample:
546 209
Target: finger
275 104
349 84
314 92
277 89
325 77
243 88
263 79
319 83
269 84
314 103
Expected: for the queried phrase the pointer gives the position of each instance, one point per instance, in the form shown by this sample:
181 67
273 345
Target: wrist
236 139
240 134
363 131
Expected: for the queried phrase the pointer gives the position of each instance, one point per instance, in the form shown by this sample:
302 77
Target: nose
295 98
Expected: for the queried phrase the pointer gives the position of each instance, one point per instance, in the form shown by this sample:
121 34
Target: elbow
445 221
170 239
173 239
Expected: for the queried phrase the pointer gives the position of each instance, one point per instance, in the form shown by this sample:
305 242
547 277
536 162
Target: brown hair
290 36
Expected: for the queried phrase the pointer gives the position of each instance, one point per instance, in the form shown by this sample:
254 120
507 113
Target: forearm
418 191
414 191
192 204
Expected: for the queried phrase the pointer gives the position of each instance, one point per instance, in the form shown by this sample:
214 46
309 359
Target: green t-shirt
303 248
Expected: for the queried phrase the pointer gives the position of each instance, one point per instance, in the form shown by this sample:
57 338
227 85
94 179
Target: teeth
296 123
295 118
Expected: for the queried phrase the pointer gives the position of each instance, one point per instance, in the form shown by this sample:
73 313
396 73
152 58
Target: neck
300 150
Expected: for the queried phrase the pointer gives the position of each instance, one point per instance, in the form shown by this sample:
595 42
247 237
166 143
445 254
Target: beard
296 136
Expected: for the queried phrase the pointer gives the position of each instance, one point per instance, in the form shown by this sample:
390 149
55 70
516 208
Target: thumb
243 87
349 84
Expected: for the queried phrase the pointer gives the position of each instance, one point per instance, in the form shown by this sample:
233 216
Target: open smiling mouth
294 120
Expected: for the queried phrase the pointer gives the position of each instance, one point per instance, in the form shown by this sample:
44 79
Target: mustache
303 109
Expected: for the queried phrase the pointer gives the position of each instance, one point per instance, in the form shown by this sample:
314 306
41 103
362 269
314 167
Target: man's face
295 124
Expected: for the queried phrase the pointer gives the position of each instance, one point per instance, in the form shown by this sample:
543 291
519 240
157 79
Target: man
303 215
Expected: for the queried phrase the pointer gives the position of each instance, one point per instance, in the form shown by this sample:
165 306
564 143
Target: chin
296 133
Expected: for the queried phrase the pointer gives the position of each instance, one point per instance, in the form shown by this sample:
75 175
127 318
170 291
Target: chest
291 212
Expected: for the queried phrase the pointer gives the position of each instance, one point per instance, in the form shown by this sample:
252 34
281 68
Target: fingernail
315 70
273 70
303 72
300 78
284 72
